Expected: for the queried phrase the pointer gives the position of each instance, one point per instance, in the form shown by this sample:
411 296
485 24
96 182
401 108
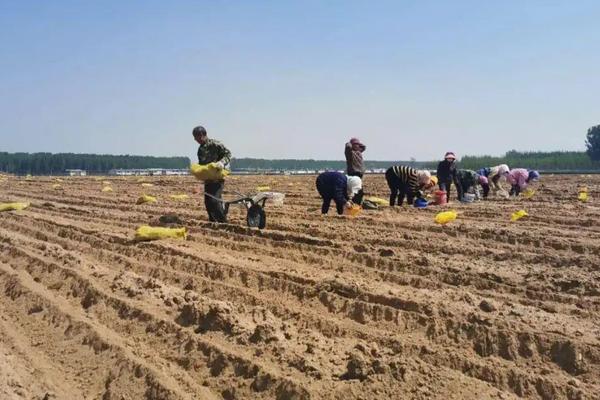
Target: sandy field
387 305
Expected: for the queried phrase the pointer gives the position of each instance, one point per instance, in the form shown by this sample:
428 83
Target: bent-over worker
405 181
333 185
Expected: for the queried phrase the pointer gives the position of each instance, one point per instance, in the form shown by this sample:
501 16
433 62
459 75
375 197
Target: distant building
148 172
76 172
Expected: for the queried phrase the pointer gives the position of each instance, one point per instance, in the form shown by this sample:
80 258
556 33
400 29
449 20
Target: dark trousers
327 196
398 189
215 209
358 197
486 191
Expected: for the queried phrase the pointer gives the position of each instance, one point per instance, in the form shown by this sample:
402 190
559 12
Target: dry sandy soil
383 306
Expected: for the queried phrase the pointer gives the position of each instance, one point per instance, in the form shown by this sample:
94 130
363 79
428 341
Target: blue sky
284 79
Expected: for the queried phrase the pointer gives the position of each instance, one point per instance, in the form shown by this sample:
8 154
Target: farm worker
446 173
470 181
333 185
519 178
494 176
212 151
354 163
408 182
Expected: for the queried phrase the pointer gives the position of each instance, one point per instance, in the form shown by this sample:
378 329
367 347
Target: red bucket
440 197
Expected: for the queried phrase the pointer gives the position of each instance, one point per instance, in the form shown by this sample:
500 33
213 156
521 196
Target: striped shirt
407 175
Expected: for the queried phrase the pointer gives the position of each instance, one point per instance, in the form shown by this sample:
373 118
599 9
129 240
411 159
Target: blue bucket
420 203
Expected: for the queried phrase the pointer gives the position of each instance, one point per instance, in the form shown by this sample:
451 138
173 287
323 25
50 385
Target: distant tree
593 143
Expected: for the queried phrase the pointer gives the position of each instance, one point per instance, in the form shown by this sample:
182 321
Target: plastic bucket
468 197
420 203
439 197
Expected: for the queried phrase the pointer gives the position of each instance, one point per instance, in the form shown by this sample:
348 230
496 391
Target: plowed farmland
386 305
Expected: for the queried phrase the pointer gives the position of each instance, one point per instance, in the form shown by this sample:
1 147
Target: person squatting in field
519 178
212 151
333 185
446 173
408 182
469 181
355 165
494 176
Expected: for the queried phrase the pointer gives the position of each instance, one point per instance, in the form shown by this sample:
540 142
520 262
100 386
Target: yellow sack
106 182
58 179
444 217
28 177
208 172
528 193
107 189
56 186
518 215
147 184
263 188
146 199
353 211
146 232
377 200
13 206
179 196
583 197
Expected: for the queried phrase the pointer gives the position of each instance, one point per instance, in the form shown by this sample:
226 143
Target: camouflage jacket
213 151
467 178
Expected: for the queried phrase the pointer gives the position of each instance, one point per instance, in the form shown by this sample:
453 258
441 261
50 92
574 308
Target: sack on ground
146 199
13 206
377 200
445 217
517 215
146 232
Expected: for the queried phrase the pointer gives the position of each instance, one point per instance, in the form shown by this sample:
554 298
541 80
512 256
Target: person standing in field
355 165
212 151
446 173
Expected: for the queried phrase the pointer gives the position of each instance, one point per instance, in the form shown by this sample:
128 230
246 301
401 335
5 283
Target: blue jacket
333 185
484 172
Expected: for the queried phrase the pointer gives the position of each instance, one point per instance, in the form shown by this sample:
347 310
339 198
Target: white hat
354 185
424 177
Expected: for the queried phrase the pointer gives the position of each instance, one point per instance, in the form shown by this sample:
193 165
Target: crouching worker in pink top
519 178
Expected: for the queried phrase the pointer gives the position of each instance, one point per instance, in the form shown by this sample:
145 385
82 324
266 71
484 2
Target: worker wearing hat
407 182
355 165
519 178
333 185
446 173
494 177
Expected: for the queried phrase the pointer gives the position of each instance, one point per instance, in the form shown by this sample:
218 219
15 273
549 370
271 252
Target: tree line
48 163
260 164
546 161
